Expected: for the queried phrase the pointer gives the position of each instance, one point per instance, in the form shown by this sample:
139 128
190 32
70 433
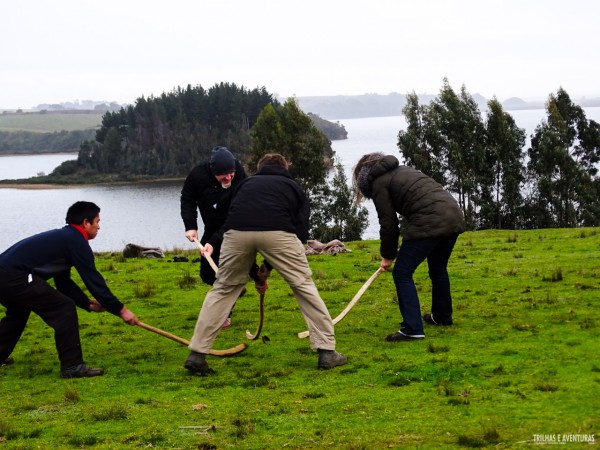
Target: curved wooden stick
208 258
350 305
261 308
227 352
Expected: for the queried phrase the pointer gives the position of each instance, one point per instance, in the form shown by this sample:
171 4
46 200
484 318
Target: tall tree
415 143
460 147
562 168
504 157
334 213
289 131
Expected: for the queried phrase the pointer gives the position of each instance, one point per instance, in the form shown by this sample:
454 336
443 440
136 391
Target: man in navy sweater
24 270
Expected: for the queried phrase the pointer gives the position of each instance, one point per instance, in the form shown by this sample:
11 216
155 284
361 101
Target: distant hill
338 107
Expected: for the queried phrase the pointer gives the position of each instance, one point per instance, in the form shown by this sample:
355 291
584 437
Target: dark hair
360 175
273 159
79 211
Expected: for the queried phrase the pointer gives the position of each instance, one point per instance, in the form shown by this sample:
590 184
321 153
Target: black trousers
21 294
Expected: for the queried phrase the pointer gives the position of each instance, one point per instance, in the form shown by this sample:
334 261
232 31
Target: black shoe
328 359
429 319
81 371
7 362
197 365
400 336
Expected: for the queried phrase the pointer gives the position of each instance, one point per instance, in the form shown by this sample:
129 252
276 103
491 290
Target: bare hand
386 264
191 235
96 306
208 250
128 316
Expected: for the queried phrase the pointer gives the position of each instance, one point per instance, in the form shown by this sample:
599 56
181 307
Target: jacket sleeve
83 261
389 230
67 286
189 212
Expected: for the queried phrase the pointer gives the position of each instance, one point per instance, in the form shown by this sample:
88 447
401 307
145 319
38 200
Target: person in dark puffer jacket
434 222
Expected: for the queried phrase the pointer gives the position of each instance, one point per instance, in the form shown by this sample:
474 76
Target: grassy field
519 367
49 122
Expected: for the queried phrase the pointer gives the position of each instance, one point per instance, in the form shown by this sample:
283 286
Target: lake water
148 214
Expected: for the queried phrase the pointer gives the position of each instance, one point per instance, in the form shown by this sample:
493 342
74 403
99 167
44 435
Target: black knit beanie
221 161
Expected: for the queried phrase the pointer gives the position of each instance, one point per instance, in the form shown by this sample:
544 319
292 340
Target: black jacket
269 201
51 255
201 191
430 210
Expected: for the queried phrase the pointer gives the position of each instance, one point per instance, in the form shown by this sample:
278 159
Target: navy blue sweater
51 255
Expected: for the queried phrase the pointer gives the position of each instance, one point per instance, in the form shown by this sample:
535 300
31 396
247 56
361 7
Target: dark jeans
437 251
21 297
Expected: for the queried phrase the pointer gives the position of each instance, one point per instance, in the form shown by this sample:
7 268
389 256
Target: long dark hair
360 174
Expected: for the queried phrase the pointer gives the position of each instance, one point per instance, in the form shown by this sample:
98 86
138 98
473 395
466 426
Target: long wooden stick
350 305
261 308
208 258
227 352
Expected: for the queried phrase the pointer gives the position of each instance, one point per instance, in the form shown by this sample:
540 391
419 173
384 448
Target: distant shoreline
34 186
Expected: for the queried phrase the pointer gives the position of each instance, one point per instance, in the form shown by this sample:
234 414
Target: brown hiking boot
328 359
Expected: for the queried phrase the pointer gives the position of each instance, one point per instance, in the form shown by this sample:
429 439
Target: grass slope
521 359
50 122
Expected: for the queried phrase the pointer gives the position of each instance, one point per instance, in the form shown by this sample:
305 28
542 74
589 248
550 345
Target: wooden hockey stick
350 305
208 258
261 307
227 352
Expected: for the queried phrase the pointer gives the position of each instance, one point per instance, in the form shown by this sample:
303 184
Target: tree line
21 142
499 184
481 160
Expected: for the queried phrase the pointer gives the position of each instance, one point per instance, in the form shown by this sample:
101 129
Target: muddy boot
197 365
328 359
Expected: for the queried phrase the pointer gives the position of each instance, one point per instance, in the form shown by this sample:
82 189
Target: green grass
50 122
520 360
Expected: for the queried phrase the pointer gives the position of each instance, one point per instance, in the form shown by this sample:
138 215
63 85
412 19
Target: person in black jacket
25 268
269 215
208 188
433 222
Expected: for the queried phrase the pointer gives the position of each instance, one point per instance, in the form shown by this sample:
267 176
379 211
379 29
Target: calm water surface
148 214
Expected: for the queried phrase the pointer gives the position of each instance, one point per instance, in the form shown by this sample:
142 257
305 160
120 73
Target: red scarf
81 230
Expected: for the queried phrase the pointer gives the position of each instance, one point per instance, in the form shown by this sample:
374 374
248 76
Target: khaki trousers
285 253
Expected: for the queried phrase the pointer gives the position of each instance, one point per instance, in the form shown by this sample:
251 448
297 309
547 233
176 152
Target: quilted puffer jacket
430 210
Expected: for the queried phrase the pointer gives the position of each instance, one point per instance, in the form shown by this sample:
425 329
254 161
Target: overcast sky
67 50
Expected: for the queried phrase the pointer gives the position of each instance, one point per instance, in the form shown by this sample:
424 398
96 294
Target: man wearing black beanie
208 188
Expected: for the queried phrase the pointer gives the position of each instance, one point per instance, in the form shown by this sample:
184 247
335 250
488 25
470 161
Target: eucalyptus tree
416 142
563 167
504 157
289 131
459 145
334 213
